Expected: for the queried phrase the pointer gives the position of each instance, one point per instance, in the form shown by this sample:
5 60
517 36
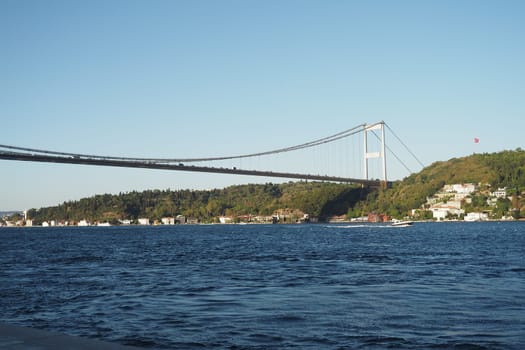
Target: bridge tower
382 154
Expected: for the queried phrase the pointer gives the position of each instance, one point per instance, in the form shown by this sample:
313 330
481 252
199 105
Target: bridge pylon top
382 154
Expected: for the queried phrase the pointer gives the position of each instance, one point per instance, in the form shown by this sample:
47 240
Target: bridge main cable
331 138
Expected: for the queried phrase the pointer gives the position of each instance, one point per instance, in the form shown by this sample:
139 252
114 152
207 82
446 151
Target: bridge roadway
179 167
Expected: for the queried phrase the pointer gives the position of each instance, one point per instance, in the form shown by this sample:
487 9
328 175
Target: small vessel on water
401 223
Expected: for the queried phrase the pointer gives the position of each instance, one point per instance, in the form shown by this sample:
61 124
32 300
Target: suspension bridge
205 164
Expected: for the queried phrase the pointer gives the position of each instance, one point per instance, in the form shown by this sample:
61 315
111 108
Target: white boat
401 223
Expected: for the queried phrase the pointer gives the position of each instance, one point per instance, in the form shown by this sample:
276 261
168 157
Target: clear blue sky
199 78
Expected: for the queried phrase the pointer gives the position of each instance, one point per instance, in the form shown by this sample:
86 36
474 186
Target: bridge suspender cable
395 155
404 145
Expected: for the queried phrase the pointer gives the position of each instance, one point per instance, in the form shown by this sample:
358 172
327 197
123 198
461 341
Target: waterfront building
83 223
144 221
225 220
168 221
180 219
476 217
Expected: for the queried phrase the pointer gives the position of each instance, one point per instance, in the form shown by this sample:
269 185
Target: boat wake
358 226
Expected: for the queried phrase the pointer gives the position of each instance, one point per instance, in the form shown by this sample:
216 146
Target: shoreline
346 222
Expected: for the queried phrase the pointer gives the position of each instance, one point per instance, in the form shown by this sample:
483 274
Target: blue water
430 286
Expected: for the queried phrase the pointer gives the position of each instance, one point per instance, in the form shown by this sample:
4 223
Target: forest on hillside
316 199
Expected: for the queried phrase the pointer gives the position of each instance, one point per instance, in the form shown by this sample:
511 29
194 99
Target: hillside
293 199
501 169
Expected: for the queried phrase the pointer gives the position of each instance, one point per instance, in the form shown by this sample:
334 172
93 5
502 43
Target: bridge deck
179 167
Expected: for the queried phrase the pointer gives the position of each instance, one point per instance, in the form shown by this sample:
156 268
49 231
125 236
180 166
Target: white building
460 191
440 212
143 221
500 193
476 217
83 223
225 220
168 221
180 219
460 188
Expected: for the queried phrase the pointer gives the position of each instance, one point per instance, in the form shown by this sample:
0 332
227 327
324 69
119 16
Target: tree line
316 199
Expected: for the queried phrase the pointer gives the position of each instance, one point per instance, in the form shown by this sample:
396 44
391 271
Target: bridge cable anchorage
404 145
332 138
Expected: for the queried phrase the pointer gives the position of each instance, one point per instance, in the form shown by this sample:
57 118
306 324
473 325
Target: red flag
476 140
